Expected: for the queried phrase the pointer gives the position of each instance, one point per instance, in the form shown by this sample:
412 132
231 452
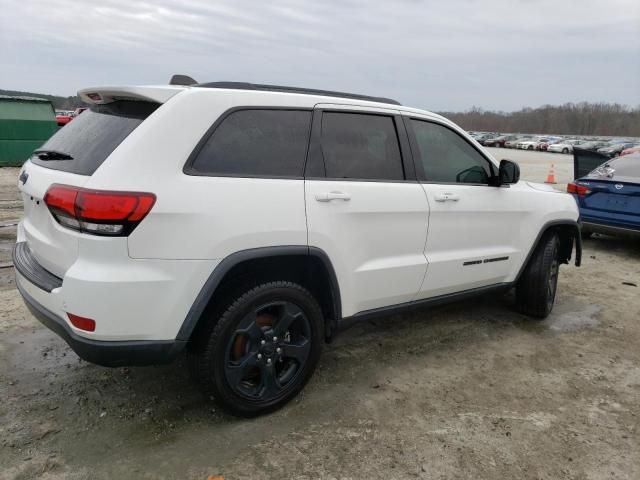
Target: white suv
246 223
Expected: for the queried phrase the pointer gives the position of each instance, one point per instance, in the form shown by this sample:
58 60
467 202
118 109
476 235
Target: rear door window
256 142
92 136
361 146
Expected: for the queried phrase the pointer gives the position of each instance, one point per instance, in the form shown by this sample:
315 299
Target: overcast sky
439 55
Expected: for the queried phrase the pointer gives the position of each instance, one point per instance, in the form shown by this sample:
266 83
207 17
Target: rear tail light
578 189
98 212
82 323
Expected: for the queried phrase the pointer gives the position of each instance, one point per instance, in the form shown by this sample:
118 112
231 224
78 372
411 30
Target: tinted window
91 137
360 146
447 157
257 142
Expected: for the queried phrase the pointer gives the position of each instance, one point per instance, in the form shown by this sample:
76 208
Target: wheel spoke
298 352
250 327
236 371
289 315
270 384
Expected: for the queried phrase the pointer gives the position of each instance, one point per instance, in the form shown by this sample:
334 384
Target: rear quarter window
255 142
93 135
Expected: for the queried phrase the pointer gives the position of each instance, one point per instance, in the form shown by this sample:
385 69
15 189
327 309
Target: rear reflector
98 212
578 189
82 323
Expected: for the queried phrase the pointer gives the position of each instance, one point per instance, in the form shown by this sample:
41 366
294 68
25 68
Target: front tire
262 351
536 289
565 150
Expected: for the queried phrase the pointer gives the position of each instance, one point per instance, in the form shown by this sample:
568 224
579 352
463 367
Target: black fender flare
575 227
208 289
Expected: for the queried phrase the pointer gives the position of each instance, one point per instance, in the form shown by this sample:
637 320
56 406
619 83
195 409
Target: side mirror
509 172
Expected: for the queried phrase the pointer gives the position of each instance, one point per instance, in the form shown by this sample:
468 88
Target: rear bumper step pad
29 268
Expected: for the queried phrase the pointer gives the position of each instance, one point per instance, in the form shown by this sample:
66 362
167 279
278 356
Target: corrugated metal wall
25 124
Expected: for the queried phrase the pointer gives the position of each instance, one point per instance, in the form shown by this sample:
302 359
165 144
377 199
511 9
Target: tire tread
531 290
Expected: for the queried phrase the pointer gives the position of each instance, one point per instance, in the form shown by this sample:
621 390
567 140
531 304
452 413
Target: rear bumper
108 354
588 226
139 306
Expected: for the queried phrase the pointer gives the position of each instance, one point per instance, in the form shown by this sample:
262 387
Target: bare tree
610 119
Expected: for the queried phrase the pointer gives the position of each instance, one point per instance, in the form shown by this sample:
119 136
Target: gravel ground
471 390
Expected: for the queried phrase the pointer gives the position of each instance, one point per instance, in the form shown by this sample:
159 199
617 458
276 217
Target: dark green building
25 124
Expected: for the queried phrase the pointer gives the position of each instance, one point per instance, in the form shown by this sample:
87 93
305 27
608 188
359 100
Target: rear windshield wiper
52 155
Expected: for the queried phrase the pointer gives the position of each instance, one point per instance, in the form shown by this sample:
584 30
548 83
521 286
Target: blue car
609 197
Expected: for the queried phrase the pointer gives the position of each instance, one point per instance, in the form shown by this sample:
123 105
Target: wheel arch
308 266
569 233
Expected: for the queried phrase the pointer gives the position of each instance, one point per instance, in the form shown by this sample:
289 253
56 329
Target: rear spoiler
585 161
101 95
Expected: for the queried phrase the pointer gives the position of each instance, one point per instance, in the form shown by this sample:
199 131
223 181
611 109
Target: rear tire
565 150
261 351
536 289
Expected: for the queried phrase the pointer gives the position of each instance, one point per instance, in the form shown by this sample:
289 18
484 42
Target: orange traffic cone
551 176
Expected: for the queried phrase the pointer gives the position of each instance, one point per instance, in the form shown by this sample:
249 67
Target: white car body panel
375 240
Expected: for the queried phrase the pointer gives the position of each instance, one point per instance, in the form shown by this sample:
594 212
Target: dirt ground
471 390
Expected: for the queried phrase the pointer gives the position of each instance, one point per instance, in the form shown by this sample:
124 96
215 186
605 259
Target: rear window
256 143
92 136
626 168
361 146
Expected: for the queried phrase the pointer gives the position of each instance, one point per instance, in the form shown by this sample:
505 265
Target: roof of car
299 90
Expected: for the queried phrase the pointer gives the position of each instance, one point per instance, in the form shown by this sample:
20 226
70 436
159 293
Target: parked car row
556 144
65 116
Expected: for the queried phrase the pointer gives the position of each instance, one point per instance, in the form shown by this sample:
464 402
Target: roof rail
306 91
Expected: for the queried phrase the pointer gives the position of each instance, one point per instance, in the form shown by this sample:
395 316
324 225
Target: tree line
607 119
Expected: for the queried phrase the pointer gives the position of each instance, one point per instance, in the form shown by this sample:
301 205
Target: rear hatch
70 157
612 197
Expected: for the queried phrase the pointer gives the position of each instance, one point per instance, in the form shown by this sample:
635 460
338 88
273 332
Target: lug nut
259 356
262 342
278 350
268 360
275 339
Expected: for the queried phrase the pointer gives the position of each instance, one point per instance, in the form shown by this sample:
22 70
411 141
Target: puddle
568 317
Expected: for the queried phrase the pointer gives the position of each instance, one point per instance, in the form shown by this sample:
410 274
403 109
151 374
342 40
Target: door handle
447 197
327 197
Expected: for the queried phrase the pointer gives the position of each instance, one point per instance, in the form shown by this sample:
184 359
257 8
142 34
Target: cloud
498 54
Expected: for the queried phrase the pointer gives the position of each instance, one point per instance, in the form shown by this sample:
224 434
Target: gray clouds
440 55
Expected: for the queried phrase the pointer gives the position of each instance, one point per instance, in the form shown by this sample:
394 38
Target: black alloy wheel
257 353
269 347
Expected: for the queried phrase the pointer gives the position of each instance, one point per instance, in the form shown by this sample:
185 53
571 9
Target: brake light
578 189
82 323
98 212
